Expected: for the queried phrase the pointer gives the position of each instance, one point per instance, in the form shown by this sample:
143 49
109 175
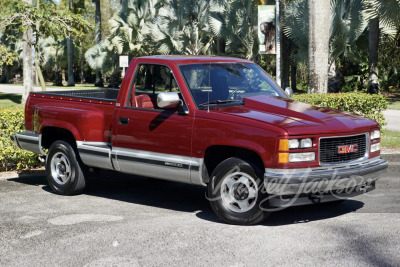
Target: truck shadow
187 198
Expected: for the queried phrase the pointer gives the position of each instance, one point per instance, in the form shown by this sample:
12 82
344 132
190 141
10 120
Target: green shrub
370 106
11 157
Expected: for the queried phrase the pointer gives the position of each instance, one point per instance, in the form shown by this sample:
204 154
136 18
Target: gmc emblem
347 149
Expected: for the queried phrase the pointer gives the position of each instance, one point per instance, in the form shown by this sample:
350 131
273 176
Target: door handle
123 121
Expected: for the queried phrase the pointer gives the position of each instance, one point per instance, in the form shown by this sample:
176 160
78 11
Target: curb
14 174
389 151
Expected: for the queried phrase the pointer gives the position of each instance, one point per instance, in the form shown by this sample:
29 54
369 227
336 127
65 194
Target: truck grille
329 148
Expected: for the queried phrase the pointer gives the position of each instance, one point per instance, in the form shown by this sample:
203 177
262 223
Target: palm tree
99 80
235 22
285 51
384 16
347 23
129 35
28 64
52 54
182 27
130 28
318 45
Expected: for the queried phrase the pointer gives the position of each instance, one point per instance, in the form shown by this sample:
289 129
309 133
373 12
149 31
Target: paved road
133 221
17 89
392 117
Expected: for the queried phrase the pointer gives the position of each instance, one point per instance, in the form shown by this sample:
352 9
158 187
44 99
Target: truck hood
298 118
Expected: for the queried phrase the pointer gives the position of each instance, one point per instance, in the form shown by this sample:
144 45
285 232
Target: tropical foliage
212 27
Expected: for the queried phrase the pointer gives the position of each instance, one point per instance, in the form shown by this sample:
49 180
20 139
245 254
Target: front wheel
64 169
235 192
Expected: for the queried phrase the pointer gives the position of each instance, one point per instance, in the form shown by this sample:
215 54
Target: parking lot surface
123 220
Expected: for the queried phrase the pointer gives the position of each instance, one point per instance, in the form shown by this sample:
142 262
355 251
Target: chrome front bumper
323 184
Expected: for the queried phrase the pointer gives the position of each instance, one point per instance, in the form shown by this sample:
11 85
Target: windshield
227 83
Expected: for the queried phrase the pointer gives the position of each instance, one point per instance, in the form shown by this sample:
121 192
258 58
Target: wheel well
52 134
216 154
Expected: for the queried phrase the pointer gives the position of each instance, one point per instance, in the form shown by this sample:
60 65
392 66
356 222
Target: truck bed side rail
106 94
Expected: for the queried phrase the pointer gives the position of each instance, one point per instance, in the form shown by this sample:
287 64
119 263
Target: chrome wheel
60 168
239 192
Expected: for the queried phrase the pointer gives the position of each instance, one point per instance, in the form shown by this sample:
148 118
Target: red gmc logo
347 149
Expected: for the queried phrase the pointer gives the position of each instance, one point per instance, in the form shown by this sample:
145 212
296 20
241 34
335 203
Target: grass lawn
394 100
394 105
8 100
77 86
390 139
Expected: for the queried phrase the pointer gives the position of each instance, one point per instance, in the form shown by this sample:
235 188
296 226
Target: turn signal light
283 157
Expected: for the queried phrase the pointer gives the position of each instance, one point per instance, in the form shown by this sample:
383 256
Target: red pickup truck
213 121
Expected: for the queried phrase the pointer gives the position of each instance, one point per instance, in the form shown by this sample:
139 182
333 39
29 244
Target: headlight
375 147
300 143
306 143
287 145
293 143
375 134
300 157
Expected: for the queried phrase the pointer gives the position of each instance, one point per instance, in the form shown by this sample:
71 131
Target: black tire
64 169
235 192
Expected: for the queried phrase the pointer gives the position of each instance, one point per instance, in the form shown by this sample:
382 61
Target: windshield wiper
219 102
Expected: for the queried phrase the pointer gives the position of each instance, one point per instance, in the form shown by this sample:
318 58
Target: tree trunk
335 79
285 52
373 82
285 62
220 46
82 65
39 74
5 73
293 73
62 76
99 80
278 37
70 52
318 45
27 62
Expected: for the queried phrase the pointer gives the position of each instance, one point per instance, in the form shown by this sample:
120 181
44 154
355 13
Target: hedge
11 157
370 106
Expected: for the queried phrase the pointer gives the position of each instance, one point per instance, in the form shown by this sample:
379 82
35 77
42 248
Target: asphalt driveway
123 220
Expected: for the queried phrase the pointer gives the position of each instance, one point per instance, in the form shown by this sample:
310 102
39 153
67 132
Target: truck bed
107 94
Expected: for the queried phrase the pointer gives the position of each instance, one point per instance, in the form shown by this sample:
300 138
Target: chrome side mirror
168 100
289 91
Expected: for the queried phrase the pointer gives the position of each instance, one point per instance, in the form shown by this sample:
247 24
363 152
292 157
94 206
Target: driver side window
149 81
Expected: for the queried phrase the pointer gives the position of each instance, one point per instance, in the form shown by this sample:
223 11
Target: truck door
149 140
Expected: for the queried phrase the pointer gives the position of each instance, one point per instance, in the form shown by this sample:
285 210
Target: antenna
208 101
209 84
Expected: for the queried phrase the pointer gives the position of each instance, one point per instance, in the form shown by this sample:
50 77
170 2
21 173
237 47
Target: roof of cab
180 59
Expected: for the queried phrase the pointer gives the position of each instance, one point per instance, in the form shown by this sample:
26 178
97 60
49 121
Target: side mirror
289 91
168 100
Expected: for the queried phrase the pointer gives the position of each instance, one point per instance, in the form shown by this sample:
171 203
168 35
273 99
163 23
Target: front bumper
322 184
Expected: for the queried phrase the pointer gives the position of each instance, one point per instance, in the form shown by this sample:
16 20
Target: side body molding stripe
95 154
146 163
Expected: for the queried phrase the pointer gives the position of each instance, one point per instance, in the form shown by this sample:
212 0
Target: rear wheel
64 169
235 192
